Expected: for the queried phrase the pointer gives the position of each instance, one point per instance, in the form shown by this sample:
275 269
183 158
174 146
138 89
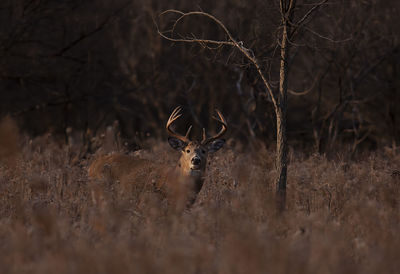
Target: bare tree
279 97
286 9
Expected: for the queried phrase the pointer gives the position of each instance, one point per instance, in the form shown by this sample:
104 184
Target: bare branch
248 53
307 15
304 92
196 40
327 38
100 27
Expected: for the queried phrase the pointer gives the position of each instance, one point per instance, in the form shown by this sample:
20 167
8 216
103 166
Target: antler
221 120
174 116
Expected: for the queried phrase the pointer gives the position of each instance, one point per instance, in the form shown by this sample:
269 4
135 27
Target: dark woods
81 66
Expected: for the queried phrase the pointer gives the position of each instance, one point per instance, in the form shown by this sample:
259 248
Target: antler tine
204 136
224 128
187 136
174 116
221 118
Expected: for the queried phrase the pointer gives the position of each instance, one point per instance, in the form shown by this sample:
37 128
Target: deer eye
203 151
188 151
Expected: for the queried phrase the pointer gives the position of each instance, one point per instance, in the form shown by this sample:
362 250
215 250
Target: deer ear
176 143
216 145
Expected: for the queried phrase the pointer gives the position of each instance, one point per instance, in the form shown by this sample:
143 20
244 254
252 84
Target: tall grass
343 215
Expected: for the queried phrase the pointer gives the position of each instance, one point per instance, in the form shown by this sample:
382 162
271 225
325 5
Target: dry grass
343 217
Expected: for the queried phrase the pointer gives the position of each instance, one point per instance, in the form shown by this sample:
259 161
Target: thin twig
307 15
304 92
327 38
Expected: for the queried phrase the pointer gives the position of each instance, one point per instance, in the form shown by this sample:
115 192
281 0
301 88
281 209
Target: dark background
82 65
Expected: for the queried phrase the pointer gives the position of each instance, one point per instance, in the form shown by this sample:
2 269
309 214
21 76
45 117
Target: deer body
182 182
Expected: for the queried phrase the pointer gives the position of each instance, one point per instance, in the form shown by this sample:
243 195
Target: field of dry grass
342 215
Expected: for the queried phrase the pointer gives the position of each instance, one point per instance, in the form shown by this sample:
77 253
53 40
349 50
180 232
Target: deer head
194 153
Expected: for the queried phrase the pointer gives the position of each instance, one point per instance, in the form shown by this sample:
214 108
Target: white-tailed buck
182 182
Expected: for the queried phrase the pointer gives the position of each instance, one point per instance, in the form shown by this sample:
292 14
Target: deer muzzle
195 163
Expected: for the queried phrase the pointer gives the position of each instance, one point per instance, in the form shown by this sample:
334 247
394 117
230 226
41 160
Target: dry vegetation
81 76
343 215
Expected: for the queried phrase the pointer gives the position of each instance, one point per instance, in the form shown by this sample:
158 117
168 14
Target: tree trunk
281 138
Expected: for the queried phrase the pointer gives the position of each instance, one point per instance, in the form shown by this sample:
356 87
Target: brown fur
175 183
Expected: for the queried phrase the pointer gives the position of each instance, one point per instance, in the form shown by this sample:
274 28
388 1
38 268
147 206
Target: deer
182 182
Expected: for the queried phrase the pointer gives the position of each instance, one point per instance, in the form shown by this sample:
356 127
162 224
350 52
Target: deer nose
196 161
